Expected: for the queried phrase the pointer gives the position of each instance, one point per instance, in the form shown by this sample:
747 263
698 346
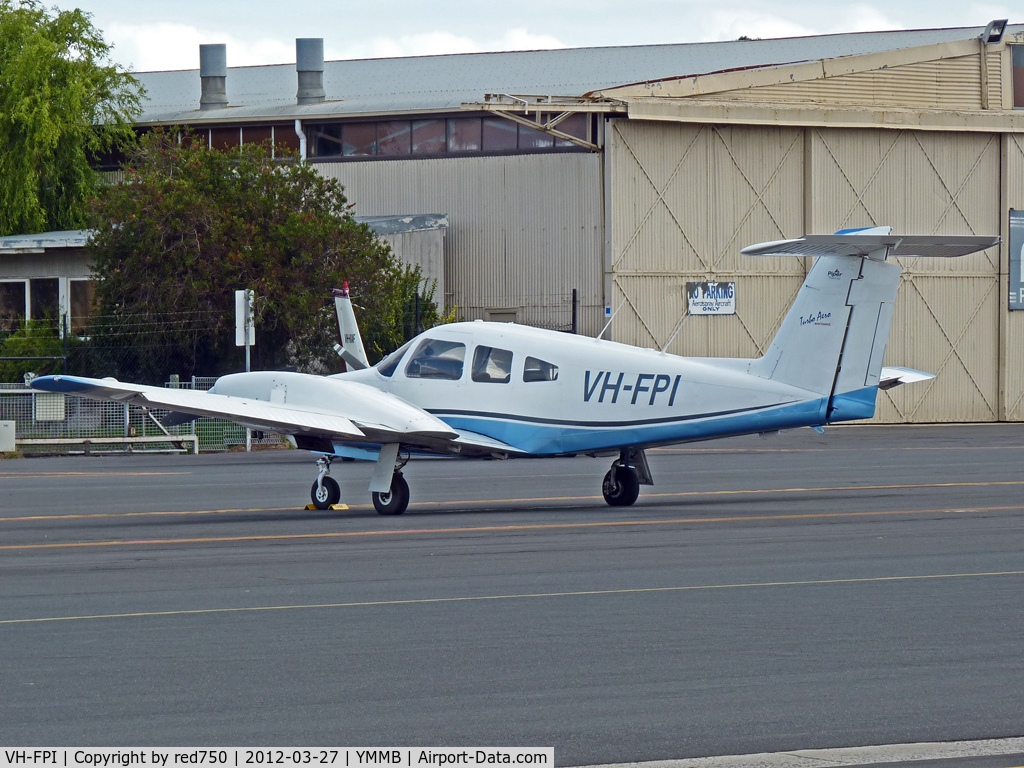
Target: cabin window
538 370
389 364
436 359
492 365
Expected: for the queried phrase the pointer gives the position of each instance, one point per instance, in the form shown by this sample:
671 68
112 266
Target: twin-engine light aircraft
481 389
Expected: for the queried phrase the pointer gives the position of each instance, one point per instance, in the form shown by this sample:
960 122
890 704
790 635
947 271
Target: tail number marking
606 382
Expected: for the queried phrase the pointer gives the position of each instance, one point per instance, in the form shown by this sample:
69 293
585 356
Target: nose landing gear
325 492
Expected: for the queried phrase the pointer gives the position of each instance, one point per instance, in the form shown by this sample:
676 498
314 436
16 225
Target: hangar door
947 310
684 199
1013 345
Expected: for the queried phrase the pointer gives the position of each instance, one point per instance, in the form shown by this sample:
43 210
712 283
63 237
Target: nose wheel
395 500
325 492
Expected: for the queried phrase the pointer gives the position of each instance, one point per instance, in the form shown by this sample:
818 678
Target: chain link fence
62 423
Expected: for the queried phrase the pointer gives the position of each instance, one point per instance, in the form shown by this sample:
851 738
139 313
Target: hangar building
624 173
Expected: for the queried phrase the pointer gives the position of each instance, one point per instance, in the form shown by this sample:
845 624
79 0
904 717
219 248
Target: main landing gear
621 485
326 492
395 500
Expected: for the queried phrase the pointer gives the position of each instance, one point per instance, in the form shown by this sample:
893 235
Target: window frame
421 347
477 375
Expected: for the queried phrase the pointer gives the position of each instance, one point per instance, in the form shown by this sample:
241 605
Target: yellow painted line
528 500
499 528
526 596
37 475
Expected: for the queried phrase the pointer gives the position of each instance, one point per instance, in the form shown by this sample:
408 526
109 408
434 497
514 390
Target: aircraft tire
396 500
326 494
621 487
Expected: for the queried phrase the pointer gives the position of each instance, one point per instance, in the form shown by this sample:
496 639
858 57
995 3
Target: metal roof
443 83
73 238
79 238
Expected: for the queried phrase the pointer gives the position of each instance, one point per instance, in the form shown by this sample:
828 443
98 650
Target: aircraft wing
253 413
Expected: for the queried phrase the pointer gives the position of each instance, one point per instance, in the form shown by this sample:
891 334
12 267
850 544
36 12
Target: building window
464 134
1017 52
82 295
499 134
439 136
225 138
44 298
393 138
13 303
359 139
428 137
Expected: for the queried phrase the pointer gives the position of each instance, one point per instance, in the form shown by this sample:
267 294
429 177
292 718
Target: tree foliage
190 225
61 100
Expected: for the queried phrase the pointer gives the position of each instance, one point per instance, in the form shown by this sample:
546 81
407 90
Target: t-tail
832 341
351 348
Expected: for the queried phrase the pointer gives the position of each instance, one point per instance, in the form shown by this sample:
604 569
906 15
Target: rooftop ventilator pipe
213 72
309 64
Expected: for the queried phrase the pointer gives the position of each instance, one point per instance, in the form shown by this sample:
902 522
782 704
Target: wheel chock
333 507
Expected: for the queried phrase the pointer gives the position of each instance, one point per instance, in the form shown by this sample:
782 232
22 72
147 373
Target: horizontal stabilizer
893 377
874 246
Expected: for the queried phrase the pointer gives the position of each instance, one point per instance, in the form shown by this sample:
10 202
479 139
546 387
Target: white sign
245 330
711 298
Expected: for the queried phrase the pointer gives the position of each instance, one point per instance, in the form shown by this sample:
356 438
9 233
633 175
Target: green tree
61 100
191 225
37 338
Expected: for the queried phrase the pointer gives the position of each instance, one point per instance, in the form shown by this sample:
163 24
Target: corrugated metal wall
942 84
947 310
686 198
524 230
1012 348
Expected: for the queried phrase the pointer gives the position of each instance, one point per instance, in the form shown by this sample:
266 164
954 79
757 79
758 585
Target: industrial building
624 173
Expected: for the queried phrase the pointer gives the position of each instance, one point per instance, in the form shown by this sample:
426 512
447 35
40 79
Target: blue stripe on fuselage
547 439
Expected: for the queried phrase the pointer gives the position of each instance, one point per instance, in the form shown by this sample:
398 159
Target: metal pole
575 318
248 432
64 337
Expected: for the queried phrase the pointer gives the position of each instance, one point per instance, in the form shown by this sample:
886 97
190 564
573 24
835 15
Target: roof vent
309 63
213 72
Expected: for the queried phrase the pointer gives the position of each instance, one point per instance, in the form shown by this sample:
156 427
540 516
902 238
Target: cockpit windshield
389 364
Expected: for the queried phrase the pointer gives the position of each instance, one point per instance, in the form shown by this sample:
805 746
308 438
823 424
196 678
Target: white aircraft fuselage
506 390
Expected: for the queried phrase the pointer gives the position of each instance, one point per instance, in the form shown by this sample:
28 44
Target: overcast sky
166 35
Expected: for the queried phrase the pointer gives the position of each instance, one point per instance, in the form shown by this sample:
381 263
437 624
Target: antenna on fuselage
610 320
676 333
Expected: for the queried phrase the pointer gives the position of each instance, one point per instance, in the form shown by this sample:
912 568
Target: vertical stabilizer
833 339
351 349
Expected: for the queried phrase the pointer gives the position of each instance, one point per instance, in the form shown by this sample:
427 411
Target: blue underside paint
850 406
549 439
